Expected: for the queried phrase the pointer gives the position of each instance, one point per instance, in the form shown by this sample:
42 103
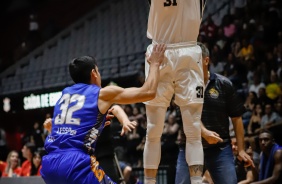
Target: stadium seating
115 33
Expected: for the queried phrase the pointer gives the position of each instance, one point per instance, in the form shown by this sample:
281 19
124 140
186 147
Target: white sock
196 180
150 180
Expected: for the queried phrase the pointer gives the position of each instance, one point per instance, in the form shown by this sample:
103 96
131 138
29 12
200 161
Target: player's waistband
176 45
66 150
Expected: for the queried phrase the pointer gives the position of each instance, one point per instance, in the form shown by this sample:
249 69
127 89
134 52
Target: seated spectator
2 167
249 171
255 120
253 128
12 166
270 170
36 164
249 105
124 168
273 89
27 151
239 164
169 139
3 144
262 98
126 171
257 84
216 67
37 135
269 118
247 51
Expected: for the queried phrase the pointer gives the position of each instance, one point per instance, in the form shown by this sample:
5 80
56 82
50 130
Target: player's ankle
150 180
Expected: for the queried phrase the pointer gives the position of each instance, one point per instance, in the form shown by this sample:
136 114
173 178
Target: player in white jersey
176 23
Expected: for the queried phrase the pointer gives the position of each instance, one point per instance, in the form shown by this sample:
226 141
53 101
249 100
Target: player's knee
154 131
193 133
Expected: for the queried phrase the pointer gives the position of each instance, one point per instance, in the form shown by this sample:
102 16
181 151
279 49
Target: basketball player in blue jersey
105 154
79 118
176 23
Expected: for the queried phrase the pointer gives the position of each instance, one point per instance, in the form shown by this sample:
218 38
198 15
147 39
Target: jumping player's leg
152 150
155 110
191 117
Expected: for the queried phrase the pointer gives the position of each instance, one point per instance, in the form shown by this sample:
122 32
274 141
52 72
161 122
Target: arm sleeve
235 104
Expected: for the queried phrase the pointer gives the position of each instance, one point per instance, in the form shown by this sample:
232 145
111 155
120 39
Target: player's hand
211 137
157 55
109 115
128 126
246 158
48 124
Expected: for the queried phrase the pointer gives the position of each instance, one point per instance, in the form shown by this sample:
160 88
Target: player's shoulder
222 79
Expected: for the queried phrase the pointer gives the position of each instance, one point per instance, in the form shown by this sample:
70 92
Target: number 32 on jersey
67 110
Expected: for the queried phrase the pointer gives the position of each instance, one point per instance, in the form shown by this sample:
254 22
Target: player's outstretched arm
122 117
114 94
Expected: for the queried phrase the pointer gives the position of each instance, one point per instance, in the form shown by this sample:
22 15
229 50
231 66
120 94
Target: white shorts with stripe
181 74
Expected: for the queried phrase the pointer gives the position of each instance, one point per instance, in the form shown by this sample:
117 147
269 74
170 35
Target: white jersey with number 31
175 21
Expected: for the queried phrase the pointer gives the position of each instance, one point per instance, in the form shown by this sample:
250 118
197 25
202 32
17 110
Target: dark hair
34 169
31 146
80 69
268 132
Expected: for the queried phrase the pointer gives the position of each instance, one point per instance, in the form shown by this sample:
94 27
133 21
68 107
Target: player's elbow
150 95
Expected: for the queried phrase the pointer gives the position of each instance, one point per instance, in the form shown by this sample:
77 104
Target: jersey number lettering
200 91
170 2
66 114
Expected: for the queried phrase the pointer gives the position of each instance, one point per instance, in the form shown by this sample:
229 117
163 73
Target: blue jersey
76 126
76 120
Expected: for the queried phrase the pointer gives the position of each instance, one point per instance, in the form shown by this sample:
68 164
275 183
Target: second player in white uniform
176 23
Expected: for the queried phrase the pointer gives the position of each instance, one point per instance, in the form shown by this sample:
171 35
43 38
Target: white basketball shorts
181 74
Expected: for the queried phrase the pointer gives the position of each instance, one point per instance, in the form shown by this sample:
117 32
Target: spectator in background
262 98
125 167
250 102
169 137
12 166
269 118
255 120
37 136
273 89
270 170
36 164
216 67
257 84
241 168
231 70
249 177
3 144
27 151
33 37
247 51
209 29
